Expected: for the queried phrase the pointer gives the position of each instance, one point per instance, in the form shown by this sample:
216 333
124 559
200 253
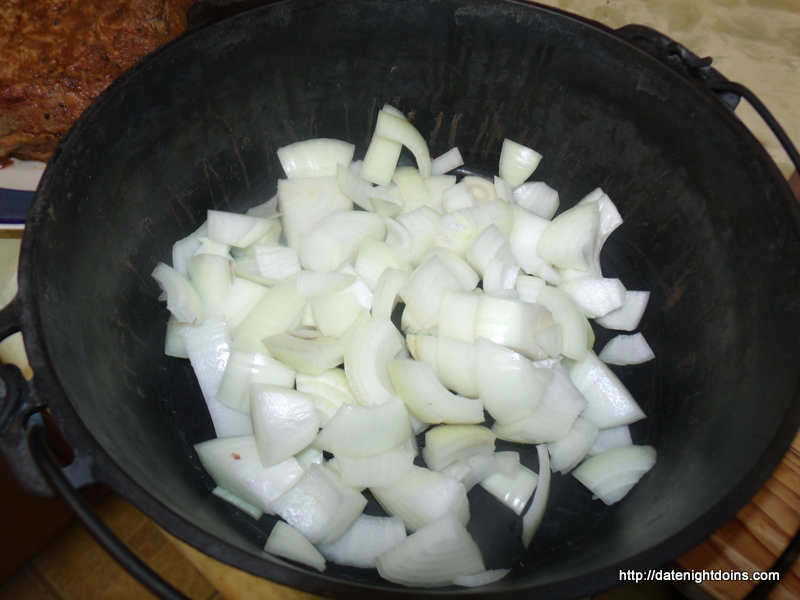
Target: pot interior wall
706 231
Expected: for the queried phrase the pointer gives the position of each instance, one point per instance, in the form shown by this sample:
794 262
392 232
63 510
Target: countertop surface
753 42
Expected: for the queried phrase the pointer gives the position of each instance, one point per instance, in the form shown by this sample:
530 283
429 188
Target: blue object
14 205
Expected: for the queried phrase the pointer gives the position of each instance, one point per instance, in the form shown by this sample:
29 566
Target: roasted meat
57 56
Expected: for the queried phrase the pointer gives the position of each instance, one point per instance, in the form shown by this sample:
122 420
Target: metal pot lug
681 59
20 420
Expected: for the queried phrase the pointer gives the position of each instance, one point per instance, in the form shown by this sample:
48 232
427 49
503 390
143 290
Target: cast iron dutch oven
710 229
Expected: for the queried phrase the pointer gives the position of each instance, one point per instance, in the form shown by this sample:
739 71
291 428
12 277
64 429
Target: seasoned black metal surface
197 126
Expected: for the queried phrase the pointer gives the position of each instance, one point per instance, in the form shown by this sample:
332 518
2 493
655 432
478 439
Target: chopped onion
354 187
611 474
552 419
512 323
375 256
482 578
427 399
537 197
300 318
523 242
626 350
611 438
535 512
278 311
628 316
284 422
245 369
320 506
313 354
307 200
454 364
517 162
366 431
470 471
569 240
276 262
368 538
374 342
509 384
596 296
490 244
173 342
185 248
446 162
457 315
287 542
422 497
609 403
437 185
610 219
566 453
266 210
208 348
423 347
503 190
183 301
513 491
237 229
391 126
243 298
246 507
316 157
576 332
328 391
234 465
382 470
456 197
387 292
335 239
432 556
335 312
412 188
529 287
445 444
425 289
212 277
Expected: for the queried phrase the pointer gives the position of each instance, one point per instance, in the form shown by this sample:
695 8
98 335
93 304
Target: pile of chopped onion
369 310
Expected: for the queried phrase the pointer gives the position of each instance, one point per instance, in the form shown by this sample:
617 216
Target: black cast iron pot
710 229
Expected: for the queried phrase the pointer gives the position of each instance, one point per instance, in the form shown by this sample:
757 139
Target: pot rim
48 389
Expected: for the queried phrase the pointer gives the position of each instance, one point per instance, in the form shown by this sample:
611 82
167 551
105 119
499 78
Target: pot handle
699 69
107 539
20 415
23 444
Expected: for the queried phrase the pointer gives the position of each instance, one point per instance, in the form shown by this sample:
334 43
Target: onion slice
432 556
366 431
426 397
369 537
320 506
374 342
610 475
423 496
445 444
533 516
517 162
287 542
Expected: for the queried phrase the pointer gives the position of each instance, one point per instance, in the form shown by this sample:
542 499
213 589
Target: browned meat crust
56 56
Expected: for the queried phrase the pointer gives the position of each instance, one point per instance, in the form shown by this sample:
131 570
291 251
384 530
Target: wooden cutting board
755 537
